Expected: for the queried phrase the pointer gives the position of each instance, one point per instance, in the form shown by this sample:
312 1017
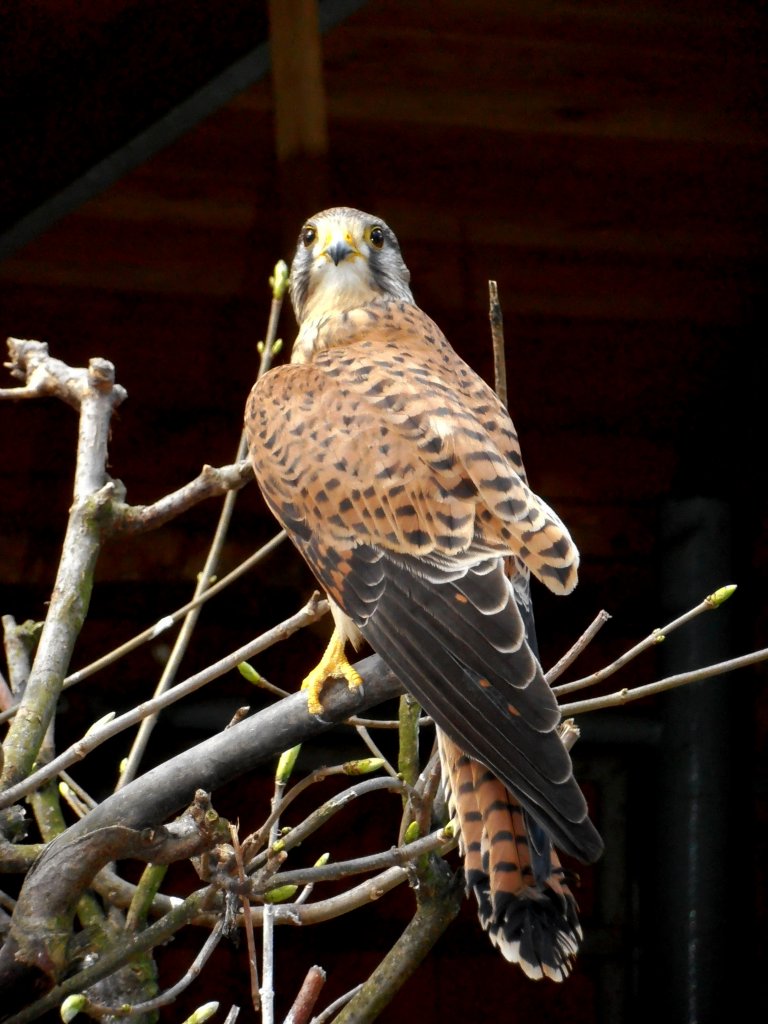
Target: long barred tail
524 902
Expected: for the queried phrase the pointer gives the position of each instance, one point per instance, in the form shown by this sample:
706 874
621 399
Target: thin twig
170 994
18 642
625 695
196 967
72 799
426 789
238 716
337 906
253 967
396 856
330 1011
324 813
365 736
152 632
572 654
149 884
205 578
408 759
258 838
497 337
268 928
312 611
384 723
710 603
76 788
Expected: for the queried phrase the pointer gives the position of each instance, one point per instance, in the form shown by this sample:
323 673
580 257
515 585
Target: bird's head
345 259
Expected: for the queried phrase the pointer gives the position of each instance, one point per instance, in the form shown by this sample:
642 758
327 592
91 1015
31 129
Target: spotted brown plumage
397 473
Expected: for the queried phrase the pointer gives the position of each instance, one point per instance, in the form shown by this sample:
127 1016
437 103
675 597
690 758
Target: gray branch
32 959
94 393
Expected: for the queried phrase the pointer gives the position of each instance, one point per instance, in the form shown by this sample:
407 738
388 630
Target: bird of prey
396 472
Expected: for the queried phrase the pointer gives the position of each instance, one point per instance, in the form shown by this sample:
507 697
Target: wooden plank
297 76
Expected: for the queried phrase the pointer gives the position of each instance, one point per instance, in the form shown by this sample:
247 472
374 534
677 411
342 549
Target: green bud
412 833
71 1006
364 766
248 672
279 280
202 1013
721 595
281 894
286 764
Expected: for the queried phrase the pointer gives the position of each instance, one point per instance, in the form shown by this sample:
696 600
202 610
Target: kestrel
397 473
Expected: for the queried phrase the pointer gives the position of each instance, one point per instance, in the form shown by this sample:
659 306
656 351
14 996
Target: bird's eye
308 236
377 237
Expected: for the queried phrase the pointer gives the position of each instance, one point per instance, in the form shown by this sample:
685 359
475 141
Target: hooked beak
339 251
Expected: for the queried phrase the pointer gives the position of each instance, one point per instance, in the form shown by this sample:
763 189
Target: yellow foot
333 664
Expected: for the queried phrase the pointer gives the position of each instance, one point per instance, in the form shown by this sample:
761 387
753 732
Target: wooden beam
297 77
301 124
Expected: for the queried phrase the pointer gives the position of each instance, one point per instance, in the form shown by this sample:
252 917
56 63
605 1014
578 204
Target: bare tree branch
581 644
710 603
438 900
96 395
211 483
159 793
132 1010
207 574
42 924
308 995
624 696
497 339
440 841
330 1011
130 823
312 611
253 968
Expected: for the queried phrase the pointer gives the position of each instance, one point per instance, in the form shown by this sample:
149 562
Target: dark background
605 164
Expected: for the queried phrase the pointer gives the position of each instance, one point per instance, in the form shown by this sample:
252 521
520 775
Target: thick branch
96 395
154 797
438 901
41 926
44 376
